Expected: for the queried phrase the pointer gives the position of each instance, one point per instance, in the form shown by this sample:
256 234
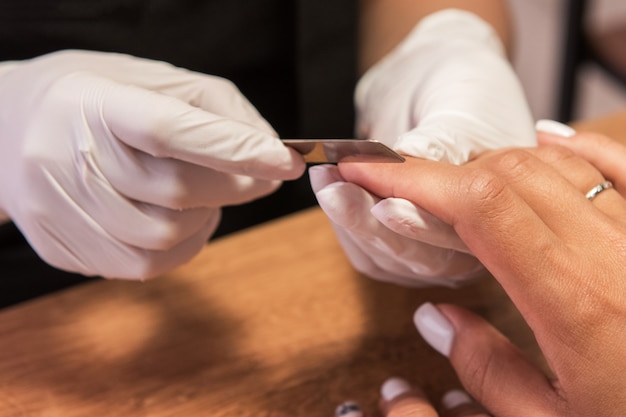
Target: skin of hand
384 23
400 399
559 256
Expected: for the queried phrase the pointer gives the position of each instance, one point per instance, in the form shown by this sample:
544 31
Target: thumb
490 367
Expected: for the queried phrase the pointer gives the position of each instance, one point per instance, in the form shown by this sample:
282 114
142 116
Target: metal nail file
318 151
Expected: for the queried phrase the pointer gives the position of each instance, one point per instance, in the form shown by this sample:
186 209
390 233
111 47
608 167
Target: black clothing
294 60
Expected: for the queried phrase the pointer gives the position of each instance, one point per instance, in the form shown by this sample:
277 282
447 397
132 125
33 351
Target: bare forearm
384 23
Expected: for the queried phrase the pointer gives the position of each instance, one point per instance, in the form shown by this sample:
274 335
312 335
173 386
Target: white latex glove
118 166
447 93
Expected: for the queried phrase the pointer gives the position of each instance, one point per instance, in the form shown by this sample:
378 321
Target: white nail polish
434 328
455 398
555 128
394 387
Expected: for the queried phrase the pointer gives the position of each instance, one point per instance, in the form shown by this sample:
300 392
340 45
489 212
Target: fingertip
296 165
552 127
393 388
347 205
458 403
399 398
455 398
492 369
435 328
323 175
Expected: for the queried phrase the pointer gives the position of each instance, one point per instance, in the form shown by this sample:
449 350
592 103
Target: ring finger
399 399
552 190
585 177
457 403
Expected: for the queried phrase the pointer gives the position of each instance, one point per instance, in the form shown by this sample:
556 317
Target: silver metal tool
317 151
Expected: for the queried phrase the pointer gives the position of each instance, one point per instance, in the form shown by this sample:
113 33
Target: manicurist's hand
117 166
550 228
447 92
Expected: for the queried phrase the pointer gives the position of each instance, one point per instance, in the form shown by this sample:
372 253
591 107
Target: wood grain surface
272 321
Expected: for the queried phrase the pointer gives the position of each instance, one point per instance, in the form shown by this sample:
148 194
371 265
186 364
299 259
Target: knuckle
164 235
476 370
488 197
224 84
513 162
482 187
556 154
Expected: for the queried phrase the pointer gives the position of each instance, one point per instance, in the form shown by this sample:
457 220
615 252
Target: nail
436 330
555 128
455 398
349 409
393 388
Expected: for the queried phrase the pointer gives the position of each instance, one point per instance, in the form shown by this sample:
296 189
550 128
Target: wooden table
272 321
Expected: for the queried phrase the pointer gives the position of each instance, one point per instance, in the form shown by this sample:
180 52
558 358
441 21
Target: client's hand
446 93
557 244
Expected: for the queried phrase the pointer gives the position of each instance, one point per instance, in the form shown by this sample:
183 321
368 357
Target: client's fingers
584 176
399 399
492 369
488 215
457 403
603 152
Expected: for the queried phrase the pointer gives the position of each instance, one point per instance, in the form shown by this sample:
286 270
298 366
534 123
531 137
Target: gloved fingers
215 95
442 101
409 220
364 263
460 94
399 215
323 175
149 264
97 253
145 225
211 93
173 183
130 222
348 207
166 127
413 259
454 137
378 251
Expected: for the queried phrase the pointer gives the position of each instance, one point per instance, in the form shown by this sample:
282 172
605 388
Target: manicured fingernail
434 328
349 409
555 128
393 388
455 398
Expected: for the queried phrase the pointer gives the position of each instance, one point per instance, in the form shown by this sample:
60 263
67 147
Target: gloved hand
446 93
118 166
